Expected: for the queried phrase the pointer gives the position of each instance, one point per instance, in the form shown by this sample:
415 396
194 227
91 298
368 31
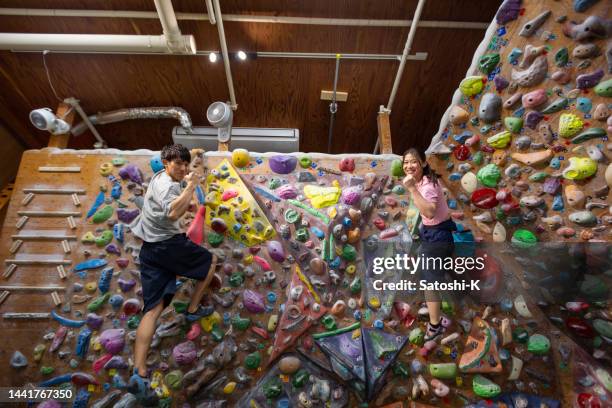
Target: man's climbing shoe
202 311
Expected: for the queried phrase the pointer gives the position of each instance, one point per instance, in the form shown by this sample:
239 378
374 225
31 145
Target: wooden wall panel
270 92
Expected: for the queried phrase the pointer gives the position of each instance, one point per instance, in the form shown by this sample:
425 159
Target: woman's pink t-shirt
433 194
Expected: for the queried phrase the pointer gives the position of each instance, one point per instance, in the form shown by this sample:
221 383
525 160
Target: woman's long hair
427 170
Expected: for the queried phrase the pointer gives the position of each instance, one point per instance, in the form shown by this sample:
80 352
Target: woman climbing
435 230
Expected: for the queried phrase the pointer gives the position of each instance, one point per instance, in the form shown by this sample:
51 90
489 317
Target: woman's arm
426 208
179 206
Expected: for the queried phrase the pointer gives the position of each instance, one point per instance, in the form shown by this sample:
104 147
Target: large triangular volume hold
232 208
381 350
302 309
347 348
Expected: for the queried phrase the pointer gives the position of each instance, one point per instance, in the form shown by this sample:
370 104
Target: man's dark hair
175 151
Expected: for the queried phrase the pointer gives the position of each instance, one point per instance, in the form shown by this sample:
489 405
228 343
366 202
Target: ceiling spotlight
212 57
242 55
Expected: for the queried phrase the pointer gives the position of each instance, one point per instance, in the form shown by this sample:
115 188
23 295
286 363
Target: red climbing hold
196 230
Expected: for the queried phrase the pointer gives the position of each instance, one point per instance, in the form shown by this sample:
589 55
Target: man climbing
167 253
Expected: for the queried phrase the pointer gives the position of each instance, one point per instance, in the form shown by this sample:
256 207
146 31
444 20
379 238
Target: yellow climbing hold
91 286
569 125
96 345
332 212
208 321
471 85
322 196
229 387
580 168
240 157
112 372
106 169
248 259
356 334
351 269
500 140
374 302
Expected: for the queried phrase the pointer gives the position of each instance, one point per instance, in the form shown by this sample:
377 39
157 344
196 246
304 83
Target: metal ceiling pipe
85 42
400 70
226 62
171 30
136 113
210 12
359 22
77 106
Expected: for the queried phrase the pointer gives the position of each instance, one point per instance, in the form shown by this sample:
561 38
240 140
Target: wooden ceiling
270 92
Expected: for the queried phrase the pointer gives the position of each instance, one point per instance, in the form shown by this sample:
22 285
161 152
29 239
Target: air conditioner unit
253 139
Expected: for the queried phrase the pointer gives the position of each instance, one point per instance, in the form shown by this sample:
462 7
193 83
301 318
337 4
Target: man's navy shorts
161 262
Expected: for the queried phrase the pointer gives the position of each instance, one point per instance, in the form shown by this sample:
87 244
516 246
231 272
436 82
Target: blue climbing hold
555 163
119 232
90 264
105 279
116 191
97 203
156 163
584 105
557 204
83 342
318 232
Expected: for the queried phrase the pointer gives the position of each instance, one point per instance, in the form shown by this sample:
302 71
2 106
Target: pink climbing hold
229 194
184 353
101 362
122 262
286 192
263 263
347 164
253 301
195 331
131 306
196 229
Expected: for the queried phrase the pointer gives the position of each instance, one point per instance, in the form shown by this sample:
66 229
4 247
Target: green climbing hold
46 370
471 85
478 158
520 335
485 388
174 379
523 239
273 388
300 378
448 308
118 161
445 371
500 215
556 106
98 302
538 344
488 62
236 279
538 177
398 189
133 322
591 133
302 234
164 402
217 334
103 214
513 124
274 184
489 175
104 239
397 169
305 162
241 323
214 239
355 285
292 216
562 57
603 327
180 306
500 140
329 322
349 253
604 88
253 360
416 336
400 369
88 238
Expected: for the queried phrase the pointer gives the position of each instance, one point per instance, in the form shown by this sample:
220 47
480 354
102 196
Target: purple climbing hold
551 185
113 340
126 284
49 404
253 301
282 164
286 192
351 196
508 11
184 353
94 321
113 249
116 362
127 216
532 119
500 82
276 251
586 81
132 173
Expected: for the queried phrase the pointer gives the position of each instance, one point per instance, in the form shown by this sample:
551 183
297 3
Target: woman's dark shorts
436 242
161 262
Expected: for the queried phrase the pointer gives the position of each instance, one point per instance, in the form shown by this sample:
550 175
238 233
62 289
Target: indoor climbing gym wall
523 156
